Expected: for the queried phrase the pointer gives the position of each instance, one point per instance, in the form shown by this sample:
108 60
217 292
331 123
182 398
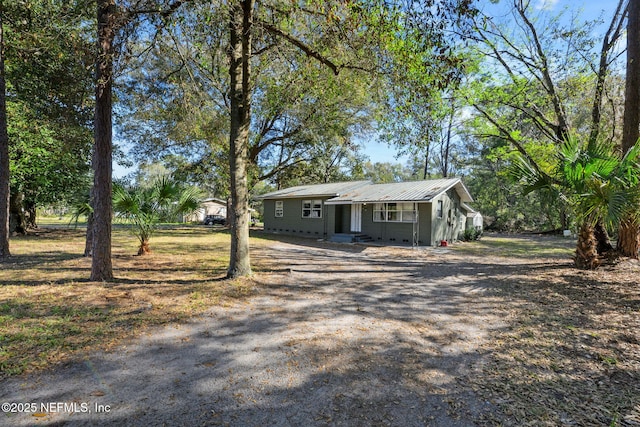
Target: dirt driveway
337 335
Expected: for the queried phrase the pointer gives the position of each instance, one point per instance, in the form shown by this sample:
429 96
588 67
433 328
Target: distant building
210 206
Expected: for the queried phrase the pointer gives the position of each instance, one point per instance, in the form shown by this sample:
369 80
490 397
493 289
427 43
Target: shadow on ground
344 337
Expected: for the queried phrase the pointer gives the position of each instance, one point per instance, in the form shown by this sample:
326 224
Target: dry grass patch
49 312
570 354
518 246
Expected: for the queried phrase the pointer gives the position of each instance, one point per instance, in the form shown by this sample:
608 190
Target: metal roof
469 209
315 190
415 191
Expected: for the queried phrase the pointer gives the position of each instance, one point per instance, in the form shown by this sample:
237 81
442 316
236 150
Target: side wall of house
448 224
292 222
425 216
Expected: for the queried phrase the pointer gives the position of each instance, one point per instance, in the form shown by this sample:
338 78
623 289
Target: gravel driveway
337 335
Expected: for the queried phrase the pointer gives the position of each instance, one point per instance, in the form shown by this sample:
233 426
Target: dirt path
337 335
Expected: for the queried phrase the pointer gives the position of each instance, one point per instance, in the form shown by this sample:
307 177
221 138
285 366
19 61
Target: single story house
211 206
421 213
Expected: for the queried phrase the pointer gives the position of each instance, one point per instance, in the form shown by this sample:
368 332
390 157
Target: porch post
356 218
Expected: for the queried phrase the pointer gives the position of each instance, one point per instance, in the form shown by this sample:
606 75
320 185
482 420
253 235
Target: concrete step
350 238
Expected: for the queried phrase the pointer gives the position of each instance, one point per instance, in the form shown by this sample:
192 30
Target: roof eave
296 196
351 202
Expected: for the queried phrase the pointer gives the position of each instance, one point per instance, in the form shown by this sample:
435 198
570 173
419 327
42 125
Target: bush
471 234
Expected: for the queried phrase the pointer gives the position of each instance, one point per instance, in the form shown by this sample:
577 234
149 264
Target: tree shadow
340 337
279 362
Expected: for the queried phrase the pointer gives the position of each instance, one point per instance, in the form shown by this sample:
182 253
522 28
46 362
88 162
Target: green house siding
424 216
394 232
292 222
451 225
349 201
336 219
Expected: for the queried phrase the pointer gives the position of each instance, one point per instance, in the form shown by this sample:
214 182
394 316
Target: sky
589 9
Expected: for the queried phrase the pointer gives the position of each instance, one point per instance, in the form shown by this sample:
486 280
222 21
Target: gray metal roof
469 209
315 190
415 191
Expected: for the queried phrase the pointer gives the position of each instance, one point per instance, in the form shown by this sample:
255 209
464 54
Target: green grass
520 246
50 312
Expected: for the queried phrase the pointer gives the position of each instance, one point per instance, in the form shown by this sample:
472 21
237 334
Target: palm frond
523 172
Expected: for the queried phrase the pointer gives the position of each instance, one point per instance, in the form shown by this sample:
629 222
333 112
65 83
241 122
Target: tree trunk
628 232
144 248
88 243
17 219
101 268
609 41
602 239
631 123
239 70
30 214
586 252
425 172
447 146
4 153
628 241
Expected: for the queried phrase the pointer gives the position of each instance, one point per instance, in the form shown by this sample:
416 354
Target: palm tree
599 186
145 208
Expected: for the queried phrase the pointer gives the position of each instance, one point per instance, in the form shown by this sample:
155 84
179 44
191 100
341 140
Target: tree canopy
234 97
49 107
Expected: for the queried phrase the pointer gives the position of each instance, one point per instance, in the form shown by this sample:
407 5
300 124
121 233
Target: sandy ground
339 335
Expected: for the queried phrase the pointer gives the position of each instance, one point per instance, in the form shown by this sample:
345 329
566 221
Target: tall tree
533 81
629 232
270 45
4 150
48 103
354 27
101 266
631 123
111 20
240 51
303 114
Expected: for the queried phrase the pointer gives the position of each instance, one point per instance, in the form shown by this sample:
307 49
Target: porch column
356 217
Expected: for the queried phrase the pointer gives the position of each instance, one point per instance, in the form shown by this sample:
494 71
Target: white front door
356 218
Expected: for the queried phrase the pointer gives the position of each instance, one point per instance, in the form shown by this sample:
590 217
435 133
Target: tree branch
507 136
302 46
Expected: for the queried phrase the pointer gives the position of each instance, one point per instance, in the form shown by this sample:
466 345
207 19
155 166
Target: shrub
471 234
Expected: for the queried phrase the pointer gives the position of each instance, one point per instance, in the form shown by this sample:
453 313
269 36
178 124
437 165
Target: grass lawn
49 311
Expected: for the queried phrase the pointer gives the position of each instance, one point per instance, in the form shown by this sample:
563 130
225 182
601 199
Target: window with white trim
312 208
394 212
439 209
279 208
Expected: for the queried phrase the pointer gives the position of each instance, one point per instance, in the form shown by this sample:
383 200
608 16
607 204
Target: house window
394 212
279 208
312 208
439 209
